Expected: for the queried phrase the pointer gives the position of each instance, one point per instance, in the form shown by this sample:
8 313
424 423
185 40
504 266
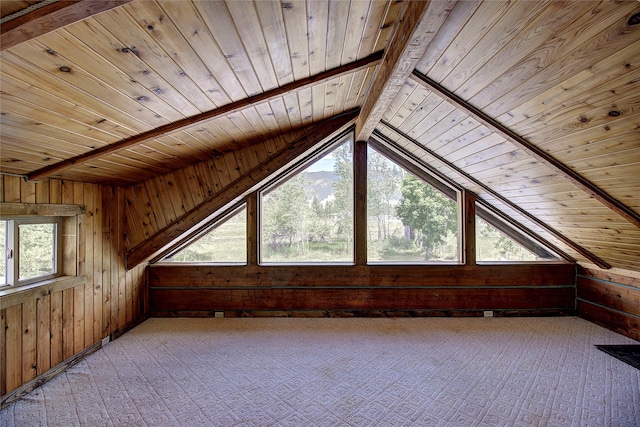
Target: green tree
343 202
286 213
382 185
424 209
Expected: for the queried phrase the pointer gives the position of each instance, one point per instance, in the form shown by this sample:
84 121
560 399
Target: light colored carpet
344 372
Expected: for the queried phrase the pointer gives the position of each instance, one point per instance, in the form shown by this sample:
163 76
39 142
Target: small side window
31 250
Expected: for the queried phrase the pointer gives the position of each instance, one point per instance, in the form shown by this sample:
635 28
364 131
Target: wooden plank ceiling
533 106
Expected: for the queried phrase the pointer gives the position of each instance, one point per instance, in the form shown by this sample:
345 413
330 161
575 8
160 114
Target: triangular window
224 242
308 218
408 219
497 241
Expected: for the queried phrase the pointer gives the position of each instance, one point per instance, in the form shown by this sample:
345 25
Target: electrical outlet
488 313
106 340
219 313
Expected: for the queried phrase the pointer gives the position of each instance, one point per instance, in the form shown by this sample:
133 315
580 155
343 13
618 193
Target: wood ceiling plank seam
563 56
406 102
393 12
331 97
224 131
374 22
317 29
251 116
173 191
16 135
294 13
264 109
584 125
611 73
164 199
535 152
625 108
192 183
280 114
176 86
491 48
479 150
210 144
481 22
305 100
433 125
275 34
139 222
413 118
150 153
156 206
177 142
61 124
410 40
600 96
124 166
342 90
491 158
80 84
196 32
468 142
292 105
358 88
459 16
65 90
50 18
318 98
614 128
525 191
524 36
14 89
447 125
584 252
354 31
605 161
243 126
247 25
337 28
151 17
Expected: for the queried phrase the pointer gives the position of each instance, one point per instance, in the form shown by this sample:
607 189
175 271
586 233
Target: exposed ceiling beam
238 188
51 17
535 152
353 67
415 30
582 251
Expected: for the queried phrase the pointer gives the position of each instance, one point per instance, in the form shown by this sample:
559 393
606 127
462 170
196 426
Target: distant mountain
321 183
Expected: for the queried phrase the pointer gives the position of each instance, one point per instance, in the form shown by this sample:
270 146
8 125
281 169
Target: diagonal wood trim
238 188
50 18
369 61
582 251
530 148
417 27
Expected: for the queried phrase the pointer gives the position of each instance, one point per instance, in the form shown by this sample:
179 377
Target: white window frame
12 252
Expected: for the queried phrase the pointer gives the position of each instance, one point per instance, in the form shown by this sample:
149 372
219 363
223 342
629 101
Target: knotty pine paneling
610 299
198 289
43 331
155 203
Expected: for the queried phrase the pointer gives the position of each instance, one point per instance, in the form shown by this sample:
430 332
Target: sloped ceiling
533 106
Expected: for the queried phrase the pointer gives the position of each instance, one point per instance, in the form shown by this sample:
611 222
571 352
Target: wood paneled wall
41 329
610 299
464 289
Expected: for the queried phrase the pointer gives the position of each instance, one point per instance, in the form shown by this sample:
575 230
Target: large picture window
225 242
408 220
31 250
309 216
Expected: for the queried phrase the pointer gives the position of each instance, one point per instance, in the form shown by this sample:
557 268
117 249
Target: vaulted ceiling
533 106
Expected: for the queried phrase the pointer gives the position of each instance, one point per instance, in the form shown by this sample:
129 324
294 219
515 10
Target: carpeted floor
344 372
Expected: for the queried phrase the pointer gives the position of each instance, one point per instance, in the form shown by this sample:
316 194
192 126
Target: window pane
225 243
37 250
309 218
3 253
408 220
493 244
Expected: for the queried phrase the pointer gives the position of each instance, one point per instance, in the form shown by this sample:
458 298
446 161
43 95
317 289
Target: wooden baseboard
366 313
